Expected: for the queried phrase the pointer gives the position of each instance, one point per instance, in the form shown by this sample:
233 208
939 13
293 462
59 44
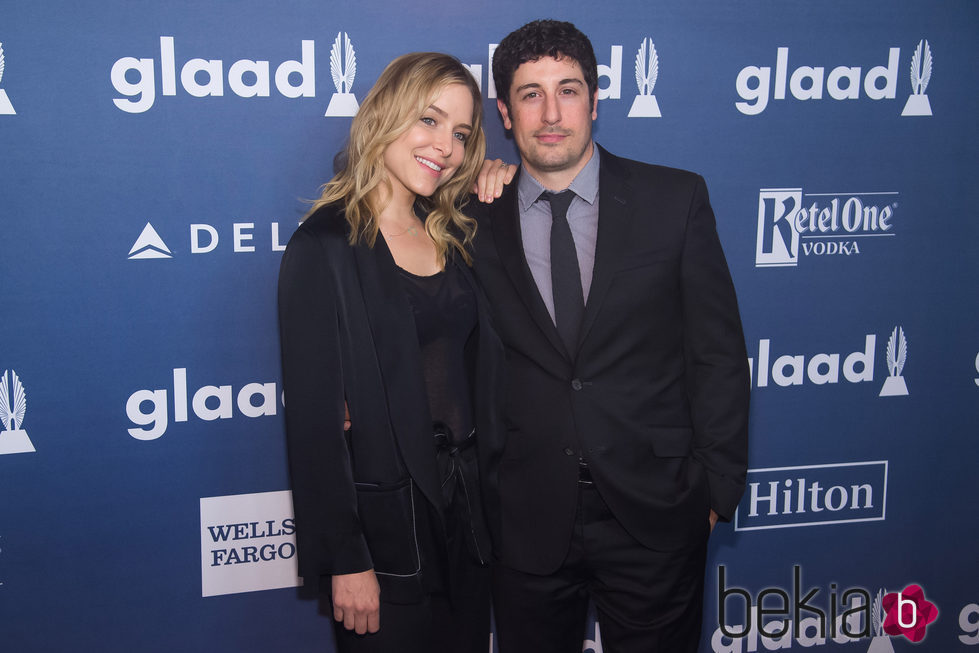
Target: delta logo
756 86
206 238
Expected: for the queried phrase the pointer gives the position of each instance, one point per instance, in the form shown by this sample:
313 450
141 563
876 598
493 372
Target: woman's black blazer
347 332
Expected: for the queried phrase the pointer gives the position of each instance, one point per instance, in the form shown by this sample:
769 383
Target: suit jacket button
568 451
576 384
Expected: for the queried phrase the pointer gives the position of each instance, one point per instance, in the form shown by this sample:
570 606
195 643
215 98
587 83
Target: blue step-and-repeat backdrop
155 158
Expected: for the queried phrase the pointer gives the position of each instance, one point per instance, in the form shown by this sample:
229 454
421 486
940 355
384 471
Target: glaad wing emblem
13 407
881 643
920 68
343 77
647 70
343 68
897 354
918 104
5 107
12 413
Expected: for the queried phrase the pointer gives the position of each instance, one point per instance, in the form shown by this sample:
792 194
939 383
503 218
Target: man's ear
505 112
594 107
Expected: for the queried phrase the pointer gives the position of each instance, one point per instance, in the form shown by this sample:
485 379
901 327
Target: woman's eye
461 136
428 121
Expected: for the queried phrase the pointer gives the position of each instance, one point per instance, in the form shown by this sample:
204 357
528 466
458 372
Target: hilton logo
813 495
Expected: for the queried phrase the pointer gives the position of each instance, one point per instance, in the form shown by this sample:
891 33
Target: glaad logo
204 239
248 543
205 77
977 370
647 70
149 245
6 109
918 104
822 368
157 417
826 227
897 354
13 407
813 495
343 70
754 83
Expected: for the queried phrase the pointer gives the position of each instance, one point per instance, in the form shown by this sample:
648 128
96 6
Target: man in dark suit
626 375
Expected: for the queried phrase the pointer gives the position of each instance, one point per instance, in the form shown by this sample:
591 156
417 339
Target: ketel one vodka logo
13 407
343 68
918 104
5 107
792 223
647 70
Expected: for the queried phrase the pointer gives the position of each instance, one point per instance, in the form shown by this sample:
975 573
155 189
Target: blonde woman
379 314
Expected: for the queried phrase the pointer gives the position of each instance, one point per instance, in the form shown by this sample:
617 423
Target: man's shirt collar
584 185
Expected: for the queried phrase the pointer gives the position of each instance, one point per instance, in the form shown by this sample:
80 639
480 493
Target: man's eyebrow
569 80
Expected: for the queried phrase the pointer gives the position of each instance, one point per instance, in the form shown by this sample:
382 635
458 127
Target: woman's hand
493 176
357 601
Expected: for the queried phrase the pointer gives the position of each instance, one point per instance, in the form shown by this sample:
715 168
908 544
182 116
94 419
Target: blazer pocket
387 518
638 260
671 441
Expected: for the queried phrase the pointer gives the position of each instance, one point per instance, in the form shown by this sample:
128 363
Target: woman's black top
445 316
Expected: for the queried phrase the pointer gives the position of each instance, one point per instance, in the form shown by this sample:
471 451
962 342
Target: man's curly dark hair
543 38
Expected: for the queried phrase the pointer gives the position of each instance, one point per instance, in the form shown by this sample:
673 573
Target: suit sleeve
329 535
716 358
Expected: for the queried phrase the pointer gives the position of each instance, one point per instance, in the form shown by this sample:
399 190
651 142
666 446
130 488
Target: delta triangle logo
647 70
6 109
149 245
343 68
918 104
13 407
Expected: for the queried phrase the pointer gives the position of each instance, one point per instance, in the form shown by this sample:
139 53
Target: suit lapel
614 230
399 359
509 245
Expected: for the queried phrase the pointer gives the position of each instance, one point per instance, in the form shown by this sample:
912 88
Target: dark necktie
569 301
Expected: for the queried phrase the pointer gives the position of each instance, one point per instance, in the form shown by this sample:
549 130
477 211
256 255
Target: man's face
550 115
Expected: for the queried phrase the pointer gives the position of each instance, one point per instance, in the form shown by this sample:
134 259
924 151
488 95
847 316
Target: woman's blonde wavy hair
406 88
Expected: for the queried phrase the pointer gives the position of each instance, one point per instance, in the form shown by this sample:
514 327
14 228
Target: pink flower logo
909 613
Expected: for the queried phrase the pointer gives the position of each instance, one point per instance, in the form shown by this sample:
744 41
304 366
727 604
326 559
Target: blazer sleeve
329 535
716 358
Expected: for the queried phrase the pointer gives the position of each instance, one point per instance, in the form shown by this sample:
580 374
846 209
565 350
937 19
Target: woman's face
428 154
